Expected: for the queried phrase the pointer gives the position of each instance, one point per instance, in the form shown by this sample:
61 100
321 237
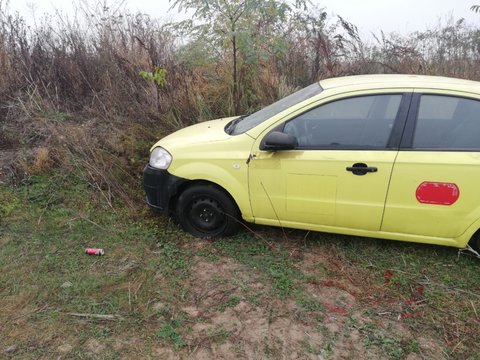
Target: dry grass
71 92
90 64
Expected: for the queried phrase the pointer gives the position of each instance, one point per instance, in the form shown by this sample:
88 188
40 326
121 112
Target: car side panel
454 242
404 213
313 187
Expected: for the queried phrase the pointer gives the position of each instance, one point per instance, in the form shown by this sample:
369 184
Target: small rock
65 348
243 307
163 353
11 349
66 284
191 311
158 306
93 345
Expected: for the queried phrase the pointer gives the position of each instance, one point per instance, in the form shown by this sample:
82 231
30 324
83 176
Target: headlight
160 158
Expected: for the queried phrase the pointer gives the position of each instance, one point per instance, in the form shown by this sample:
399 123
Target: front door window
361 122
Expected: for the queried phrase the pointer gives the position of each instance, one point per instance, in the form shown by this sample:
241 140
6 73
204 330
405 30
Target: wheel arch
232 181
474 240
191 183
472 233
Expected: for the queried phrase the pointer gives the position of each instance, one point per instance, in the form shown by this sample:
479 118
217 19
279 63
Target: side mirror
277 140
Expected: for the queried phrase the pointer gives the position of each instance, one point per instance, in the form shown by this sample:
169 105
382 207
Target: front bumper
160 187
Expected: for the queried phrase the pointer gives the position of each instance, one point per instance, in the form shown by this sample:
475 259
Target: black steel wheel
207 211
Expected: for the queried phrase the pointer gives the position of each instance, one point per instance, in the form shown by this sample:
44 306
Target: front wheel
206 211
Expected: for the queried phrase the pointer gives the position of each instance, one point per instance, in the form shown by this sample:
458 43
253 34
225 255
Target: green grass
170 333
146 279
48 225
276 267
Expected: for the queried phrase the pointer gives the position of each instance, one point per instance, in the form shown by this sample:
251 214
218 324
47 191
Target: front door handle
361 169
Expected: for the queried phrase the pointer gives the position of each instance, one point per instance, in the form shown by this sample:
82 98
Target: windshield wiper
231 125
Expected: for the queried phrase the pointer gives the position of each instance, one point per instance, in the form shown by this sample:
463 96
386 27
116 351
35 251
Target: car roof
400 80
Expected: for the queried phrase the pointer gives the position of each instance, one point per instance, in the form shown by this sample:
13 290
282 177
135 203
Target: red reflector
437 193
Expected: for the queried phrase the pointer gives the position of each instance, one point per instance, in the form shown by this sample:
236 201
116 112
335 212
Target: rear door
434 190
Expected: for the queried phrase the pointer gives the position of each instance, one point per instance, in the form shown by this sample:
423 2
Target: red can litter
93 251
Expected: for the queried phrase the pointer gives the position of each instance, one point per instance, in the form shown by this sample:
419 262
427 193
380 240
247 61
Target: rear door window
448 123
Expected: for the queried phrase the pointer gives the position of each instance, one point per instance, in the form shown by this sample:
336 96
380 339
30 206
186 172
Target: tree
236 23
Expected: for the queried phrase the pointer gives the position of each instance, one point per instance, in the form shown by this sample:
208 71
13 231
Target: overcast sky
401 16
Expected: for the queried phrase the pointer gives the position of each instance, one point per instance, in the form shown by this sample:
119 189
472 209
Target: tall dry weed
71 87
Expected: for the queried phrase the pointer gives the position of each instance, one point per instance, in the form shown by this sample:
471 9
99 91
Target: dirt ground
280 329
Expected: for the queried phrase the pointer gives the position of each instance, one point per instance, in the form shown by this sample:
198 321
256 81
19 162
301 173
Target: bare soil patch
226 323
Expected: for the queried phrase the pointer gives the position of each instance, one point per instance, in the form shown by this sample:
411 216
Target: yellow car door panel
338 174
433 190
309 193
314 187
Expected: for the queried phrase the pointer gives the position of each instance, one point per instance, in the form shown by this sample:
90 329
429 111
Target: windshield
242 125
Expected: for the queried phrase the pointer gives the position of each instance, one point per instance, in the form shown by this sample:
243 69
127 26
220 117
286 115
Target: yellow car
385 156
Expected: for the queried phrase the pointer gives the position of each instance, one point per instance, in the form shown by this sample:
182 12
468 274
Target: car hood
204 132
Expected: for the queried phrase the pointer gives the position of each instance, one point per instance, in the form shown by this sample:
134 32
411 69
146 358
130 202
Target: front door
338 174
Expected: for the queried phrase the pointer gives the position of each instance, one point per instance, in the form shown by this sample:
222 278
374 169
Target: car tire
475 242
207 211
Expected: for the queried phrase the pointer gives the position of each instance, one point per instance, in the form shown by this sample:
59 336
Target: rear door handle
361 169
